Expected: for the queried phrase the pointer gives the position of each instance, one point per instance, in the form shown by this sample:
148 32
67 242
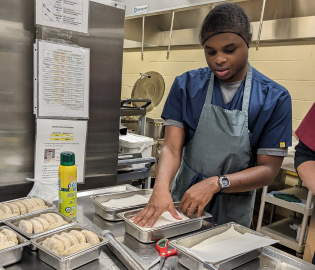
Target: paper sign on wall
54 137
65 14
63 80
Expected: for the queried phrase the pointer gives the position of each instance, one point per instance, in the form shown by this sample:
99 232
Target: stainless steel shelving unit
280 230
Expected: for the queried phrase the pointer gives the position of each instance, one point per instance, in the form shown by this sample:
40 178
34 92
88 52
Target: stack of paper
233 245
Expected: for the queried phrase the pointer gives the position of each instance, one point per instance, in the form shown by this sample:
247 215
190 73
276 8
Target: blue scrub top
269 113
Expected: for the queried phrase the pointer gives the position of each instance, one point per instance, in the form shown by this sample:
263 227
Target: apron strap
210 90
247 90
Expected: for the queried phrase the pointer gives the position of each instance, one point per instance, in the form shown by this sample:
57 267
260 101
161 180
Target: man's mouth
221 72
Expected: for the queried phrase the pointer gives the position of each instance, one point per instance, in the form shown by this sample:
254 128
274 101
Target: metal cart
280 230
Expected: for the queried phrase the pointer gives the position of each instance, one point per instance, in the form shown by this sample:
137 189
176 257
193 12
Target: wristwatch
224 182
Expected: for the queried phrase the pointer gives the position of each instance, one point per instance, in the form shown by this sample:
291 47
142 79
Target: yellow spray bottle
67 185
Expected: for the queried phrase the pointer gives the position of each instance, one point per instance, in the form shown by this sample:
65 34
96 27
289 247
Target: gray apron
220 146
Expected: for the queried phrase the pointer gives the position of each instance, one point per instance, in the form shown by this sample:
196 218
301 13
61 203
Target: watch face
225 182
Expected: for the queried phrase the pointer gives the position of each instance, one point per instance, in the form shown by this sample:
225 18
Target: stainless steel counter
146 253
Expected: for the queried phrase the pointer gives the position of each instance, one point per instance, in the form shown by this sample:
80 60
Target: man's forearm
261 175
306 172
168 166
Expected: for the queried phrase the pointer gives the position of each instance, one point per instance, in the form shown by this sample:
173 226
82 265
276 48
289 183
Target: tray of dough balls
11 246
38 224
23 206
69 248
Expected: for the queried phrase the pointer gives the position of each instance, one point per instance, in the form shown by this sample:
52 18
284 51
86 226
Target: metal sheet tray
193 263
71 261
167 231
111 213
117 189
14 224
13 254
50 207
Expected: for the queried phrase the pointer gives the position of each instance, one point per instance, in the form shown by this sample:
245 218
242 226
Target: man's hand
199 195
160 202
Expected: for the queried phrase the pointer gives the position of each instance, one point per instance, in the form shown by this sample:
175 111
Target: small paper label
141 9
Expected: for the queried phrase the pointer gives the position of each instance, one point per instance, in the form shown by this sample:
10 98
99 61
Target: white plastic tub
134 143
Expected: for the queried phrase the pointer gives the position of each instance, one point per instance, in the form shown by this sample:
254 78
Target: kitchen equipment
50 207
71 261
13 254
193 263
155 128
145 235
161 246
121 253
14 224
111 213
150 85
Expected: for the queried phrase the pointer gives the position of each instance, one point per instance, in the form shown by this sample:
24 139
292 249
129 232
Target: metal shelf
144 173
300 192
281 231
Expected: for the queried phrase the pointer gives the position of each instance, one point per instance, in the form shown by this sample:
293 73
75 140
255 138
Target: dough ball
64 240
27 205
21 207
58 224
76 248
72 239
44 223
49 218
38 208
90 237
14 208
37 226
32 202
47 243
3 238
56 217
80 236
8 244
11 236
57 246
5 209
5 216
39 201
26 226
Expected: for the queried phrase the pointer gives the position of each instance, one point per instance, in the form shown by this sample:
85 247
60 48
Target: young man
221 121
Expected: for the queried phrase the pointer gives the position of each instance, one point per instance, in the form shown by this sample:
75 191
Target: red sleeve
306 131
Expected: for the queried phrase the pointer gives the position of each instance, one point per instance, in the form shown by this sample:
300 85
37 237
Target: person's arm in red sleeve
305 150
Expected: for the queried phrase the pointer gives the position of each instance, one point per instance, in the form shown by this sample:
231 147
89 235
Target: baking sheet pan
166 231
14 224
13 254
50 207
110 214
71 261
193 263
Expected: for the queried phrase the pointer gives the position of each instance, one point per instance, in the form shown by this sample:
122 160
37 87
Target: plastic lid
67 159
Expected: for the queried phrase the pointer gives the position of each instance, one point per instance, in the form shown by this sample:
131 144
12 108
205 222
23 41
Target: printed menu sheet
63 80
70 15
54 137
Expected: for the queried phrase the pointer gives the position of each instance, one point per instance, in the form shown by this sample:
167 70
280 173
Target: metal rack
135 111
144 173
280 230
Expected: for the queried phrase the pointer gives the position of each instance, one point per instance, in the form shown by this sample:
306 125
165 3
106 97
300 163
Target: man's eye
212 53
229 51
